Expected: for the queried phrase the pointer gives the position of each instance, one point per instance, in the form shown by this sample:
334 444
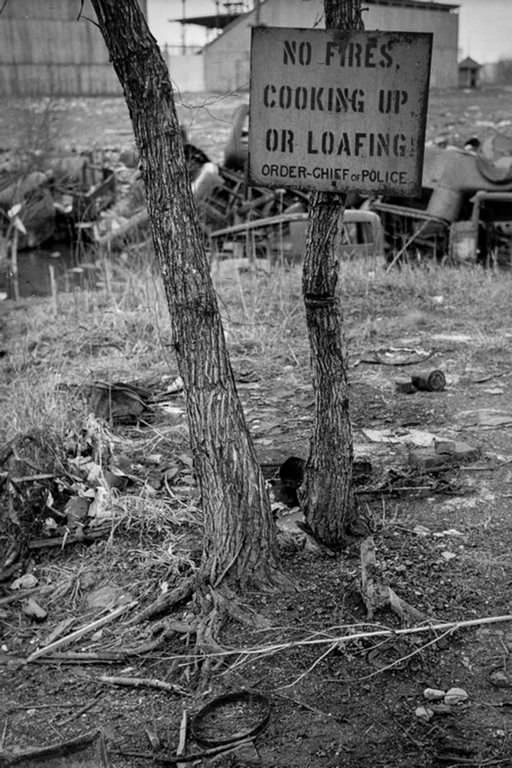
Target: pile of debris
462 215
49 197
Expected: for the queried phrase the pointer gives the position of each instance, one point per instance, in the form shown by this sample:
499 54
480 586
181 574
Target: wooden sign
338 110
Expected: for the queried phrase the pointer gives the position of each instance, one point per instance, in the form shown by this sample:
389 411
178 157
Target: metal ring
228 698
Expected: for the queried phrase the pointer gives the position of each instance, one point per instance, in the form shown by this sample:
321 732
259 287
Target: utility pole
183 27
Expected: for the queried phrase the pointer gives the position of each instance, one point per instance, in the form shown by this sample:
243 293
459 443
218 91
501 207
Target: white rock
433 694
456 696
27 581
424 713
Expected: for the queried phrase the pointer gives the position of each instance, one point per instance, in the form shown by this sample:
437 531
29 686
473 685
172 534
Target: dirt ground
443 538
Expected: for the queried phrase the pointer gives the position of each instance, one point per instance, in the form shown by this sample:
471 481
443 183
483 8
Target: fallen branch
73 538
144 682
278 647
182 741
27 478
92 627
192 758
20 594
64 749
107 657
225 750
80 712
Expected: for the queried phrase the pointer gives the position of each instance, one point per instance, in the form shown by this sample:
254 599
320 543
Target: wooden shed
469 72
46 51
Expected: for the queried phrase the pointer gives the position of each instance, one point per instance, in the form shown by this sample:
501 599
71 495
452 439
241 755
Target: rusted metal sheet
338 110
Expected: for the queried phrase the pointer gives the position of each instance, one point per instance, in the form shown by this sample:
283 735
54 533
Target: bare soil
443 540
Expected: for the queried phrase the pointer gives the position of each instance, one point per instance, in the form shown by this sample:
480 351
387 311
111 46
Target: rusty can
430 381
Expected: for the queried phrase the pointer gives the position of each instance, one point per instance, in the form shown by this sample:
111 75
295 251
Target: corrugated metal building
226 59
45 51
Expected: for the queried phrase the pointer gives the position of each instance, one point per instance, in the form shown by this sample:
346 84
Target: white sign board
338 110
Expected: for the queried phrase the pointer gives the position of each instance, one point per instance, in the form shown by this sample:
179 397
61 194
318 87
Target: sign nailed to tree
337 110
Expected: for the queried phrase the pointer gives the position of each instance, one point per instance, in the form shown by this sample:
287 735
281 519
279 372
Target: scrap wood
83 537
27 478
61 749
106 657
78 633
377 595
22 593
147 682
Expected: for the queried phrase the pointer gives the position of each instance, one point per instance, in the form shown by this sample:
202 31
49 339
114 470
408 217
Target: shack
469 71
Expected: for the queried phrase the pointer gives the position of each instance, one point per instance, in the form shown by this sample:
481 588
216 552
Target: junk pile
464 213
465 209
51 197
238 218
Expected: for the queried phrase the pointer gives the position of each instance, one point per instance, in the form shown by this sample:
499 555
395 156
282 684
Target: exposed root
164 603
376 594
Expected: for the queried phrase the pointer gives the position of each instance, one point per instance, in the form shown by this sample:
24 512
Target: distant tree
326 494
504 71
239 528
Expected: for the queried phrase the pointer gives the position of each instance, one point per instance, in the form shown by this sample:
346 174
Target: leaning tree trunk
239 528
326 493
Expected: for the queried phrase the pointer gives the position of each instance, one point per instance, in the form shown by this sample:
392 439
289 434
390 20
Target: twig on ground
385 632
20 594
144 682
315 710
80 712
224 750
408 656
182 741
60 541
4 733
107 657
27 478
311 668
93 626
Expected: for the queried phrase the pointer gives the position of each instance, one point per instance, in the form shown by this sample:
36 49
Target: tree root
164 603
212 608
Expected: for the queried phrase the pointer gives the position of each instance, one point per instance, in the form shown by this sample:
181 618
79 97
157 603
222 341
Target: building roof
428 5
469 63
210 21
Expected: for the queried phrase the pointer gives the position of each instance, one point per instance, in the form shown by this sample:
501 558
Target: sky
485 26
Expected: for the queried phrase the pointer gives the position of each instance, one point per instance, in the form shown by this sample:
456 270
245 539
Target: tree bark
326 493
239 528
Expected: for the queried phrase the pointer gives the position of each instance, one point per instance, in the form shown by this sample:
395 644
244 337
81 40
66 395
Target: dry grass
121 332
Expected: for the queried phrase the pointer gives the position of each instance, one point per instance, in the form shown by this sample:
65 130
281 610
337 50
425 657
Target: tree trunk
239 528
326 494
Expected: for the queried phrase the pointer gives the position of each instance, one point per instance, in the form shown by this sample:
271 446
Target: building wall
45 51
187 72
226 59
